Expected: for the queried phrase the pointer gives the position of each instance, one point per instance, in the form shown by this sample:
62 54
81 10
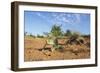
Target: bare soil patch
32 52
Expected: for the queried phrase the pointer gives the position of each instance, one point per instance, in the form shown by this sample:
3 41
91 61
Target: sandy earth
32 52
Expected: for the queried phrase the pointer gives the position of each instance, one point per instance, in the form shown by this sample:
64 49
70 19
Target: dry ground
69 52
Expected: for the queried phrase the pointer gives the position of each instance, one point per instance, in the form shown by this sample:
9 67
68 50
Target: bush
55 41
32 35
68 33
40 36
81 40
75 38
58 47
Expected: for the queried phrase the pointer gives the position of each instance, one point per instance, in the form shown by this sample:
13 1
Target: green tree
56 31
68 33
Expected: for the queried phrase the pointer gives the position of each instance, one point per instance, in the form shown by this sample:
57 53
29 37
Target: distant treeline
56 31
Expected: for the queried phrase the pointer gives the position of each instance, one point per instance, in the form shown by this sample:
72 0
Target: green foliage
58 47
56 31
68 33
40 36
50 41
55 41
32 35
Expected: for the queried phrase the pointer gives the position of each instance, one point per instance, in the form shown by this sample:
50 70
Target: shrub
32 35
68 33
75 38
40 36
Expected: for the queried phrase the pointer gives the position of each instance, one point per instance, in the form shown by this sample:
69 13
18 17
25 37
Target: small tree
56 31
68 33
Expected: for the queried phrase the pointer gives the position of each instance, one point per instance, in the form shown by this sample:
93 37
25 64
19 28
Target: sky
37 22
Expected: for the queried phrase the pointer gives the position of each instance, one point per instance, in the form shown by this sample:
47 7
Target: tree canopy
56 31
